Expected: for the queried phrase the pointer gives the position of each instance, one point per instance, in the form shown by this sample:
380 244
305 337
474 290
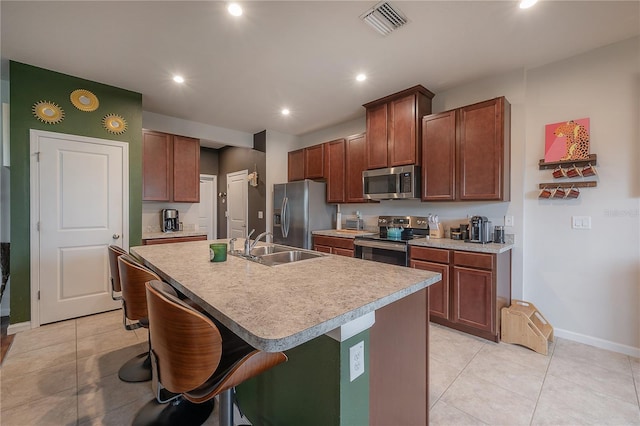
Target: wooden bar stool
133 277
194 357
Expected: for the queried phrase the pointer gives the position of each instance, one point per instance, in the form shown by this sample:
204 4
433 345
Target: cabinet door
296 165
314 162
377 146
323 249
403 144
483 161
157 166
439 157
356 155
438 292
335 170
186 170
342 252
473 298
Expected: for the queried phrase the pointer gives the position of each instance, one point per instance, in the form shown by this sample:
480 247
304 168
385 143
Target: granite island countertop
276 308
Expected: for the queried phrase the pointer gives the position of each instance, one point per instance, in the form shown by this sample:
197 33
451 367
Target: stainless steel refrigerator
299 208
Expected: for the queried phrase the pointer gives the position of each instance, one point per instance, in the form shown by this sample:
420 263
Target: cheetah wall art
568 140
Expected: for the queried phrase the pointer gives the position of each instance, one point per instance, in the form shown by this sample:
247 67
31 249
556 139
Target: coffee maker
170 220
479 231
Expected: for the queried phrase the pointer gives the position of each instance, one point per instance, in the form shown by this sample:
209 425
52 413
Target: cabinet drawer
430 254
322 240
474 260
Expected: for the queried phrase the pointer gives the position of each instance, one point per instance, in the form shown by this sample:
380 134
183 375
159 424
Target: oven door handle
381 245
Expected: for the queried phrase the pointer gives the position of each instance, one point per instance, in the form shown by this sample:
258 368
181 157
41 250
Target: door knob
115 236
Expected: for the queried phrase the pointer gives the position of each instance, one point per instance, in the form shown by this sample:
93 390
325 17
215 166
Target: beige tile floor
66 374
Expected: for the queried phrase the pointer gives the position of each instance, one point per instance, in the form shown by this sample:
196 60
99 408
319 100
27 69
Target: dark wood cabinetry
334 170
394 133
314 162
356 163
474 288
306 163
173 240
170 168
295 161
484 150
466 153
333 245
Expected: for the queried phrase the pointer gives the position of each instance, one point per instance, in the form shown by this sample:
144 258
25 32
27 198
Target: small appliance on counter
170 220
479 230
355 224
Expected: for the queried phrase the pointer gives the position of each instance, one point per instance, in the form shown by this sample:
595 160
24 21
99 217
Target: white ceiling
300 54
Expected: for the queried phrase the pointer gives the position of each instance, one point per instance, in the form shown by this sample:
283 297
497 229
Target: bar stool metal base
137 369
176 412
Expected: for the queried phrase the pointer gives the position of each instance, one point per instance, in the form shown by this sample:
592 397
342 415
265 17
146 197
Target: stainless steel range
391 245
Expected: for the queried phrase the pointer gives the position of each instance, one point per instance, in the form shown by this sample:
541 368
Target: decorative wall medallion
114 124
84 100
48 112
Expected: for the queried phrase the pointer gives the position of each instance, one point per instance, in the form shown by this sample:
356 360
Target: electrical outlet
356 361
260 214
508 221
581 222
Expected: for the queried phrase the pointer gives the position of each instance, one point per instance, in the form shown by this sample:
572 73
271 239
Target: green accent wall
312 388
28 85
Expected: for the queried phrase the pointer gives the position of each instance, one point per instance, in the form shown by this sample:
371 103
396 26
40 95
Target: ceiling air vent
384 18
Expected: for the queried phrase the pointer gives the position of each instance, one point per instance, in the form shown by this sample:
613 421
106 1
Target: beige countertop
278 308
344 233
174 234
446 243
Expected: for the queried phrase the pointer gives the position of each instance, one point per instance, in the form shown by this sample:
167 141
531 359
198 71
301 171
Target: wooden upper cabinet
394 129
377 146
157 166
356 163
314 162
186 170
170 168
334 166
296 165
484 151
439 157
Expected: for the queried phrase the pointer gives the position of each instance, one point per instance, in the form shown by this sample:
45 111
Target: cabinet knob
115 236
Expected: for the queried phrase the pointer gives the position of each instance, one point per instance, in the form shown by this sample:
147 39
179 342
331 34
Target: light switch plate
260 214
356 361
508 221
581 222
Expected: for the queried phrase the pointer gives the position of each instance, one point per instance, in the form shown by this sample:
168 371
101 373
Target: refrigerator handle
285 217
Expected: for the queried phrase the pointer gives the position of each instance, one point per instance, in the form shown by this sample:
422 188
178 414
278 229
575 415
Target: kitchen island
291 307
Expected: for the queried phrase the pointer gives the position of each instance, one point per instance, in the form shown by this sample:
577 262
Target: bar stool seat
194 356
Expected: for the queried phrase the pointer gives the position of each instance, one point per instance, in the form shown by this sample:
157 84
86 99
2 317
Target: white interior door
81 207
207 217
237 204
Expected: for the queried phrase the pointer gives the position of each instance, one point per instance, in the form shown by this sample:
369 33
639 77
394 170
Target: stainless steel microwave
393 183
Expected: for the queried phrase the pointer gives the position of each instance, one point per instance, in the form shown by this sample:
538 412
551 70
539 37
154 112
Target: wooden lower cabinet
474 289
173 240
333 245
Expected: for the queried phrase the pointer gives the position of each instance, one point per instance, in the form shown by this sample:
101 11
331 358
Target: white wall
585 282
278 145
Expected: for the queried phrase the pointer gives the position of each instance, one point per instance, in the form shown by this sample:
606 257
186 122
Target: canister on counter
498 234
464 231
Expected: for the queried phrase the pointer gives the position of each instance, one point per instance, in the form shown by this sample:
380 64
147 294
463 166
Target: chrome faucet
249 245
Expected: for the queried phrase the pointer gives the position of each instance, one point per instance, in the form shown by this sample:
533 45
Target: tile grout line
546 372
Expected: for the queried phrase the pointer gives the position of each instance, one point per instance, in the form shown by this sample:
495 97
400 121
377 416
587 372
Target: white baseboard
598 343
17 328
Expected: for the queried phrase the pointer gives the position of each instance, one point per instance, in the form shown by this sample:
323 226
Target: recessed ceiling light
361 77
234 9
178 79
285 111
526 4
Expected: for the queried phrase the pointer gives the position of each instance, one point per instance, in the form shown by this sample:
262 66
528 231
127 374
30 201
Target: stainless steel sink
274 255
274 248
281 258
